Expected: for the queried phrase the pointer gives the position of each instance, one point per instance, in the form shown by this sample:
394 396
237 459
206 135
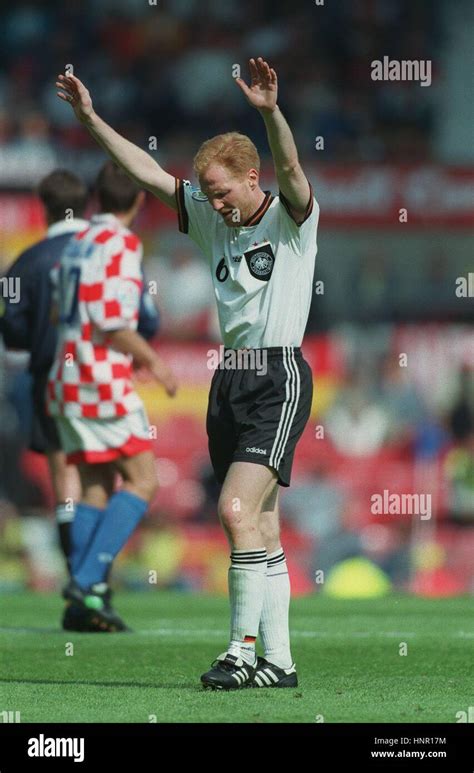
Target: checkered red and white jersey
98 284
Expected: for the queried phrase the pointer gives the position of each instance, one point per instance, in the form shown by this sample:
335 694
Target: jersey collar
259 213
66 226
106 217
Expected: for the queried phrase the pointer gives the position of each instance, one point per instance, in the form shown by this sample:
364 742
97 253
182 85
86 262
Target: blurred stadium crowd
159 78
384 426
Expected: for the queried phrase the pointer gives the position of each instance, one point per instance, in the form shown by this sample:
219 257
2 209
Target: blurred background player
102 424
26 325
261 250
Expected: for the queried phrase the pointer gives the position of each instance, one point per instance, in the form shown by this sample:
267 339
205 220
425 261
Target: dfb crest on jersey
260 261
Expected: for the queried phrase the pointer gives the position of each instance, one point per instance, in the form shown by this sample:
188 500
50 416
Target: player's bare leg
97 486
122 511
276 668
118 515
139 475
66 488
243 493
269 520
96 483
64 477
244 490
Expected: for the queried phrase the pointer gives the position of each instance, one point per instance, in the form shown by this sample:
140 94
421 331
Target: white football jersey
262 270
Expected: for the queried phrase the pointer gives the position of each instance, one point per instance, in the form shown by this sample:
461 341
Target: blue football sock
86 520
119 520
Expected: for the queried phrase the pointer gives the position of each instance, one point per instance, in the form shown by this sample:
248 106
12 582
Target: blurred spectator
357 424
459 470
186 295
315 504
372 287
34 137
401 400
461 419
6 129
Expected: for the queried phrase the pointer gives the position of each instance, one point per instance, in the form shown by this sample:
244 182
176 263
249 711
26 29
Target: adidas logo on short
254 450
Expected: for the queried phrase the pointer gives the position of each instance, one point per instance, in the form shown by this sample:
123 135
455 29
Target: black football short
44 434
258 410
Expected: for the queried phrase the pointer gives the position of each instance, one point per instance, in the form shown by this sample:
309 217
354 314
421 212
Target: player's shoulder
195 213
195 199
101 230
35 251
193 191
38 257
108 231
26 257
131 242
310 216
280 199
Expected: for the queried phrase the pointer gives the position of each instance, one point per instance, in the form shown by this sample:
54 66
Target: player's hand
165 376
76 94
263 91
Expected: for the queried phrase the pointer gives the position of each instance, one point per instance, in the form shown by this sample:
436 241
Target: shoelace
226 665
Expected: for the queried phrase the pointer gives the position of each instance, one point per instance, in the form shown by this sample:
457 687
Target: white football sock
247 580
274 623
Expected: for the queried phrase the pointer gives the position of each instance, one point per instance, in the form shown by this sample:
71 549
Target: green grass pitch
347 654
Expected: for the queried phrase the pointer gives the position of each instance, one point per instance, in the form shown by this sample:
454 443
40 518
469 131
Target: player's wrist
268 111
90 119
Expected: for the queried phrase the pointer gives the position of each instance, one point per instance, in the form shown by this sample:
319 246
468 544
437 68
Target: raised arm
262 94
134 161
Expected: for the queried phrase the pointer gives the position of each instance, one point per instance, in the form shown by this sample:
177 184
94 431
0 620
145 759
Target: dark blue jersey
25 322
148 316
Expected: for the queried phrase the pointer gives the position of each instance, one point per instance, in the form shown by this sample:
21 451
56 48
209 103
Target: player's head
118 193
62 194
228 170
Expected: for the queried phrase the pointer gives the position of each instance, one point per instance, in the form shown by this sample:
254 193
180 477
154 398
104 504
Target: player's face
228 195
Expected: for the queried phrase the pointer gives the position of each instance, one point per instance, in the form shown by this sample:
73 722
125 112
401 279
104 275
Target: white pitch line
213 633
219 634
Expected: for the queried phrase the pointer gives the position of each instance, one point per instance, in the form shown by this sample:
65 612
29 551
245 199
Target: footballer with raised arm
261 250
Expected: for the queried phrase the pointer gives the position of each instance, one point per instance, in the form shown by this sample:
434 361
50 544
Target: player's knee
143 483
234 518
229 515
146 488
140 476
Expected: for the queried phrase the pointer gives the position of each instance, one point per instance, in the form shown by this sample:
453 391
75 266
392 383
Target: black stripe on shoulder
183 219
308 209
